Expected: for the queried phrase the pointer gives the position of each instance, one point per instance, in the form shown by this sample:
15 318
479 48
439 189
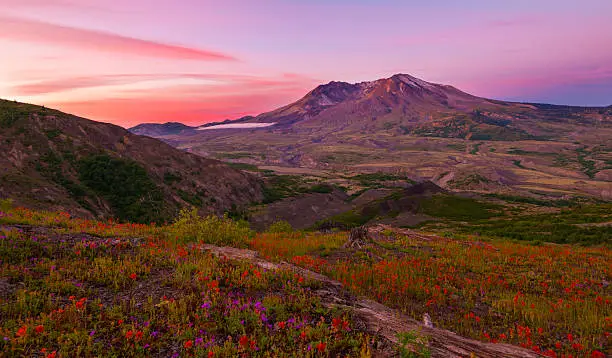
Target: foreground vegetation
130 290
78 287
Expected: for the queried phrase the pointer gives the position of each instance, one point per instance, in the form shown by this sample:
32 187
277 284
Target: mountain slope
58 161
156 129
407 105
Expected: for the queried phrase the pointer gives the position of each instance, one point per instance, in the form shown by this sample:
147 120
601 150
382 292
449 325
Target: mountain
57 161
157 130
407 105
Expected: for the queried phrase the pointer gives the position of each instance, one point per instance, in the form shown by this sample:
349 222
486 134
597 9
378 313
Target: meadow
81 287
74 287
553 299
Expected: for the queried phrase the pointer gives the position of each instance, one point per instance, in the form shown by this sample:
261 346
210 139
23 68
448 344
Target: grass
563 227
66 293
457 208
278 187
81 287
549 298
558 203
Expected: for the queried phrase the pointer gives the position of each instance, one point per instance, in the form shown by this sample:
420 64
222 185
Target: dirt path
380 320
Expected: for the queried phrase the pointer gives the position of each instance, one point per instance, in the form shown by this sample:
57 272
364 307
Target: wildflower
129 334
211 354
281 325
321 346
303 335
345 326
39 329
188 344
91 334
570 337
133 276
51 355
336 322
22 331
138 335
81 302
244 341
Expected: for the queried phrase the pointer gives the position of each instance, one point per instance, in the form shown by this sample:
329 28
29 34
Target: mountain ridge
57 161
409 95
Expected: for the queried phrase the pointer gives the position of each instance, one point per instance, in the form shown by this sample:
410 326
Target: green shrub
412 345
6 205
458 208
126 186
191 227
280 226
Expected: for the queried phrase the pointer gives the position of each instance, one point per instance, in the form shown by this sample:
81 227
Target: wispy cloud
223 82
202 98
19 29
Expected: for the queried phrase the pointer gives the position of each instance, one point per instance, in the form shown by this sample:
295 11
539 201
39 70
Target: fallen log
380 320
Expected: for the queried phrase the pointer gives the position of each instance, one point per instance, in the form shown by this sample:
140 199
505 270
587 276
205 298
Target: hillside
58 161
427 131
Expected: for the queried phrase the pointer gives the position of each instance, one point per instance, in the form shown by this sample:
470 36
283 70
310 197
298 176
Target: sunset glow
198 61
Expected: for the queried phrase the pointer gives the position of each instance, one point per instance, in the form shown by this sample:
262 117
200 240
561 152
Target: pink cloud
226 82
35 31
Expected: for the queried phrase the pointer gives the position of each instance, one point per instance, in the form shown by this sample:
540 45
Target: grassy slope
550 298
93 289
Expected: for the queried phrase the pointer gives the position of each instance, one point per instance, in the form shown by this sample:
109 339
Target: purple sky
197 61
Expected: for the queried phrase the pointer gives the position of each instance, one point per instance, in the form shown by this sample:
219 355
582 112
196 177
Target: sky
197 61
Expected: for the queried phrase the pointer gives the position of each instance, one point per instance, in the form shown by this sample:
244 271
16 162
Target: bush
280 226
412 344
126 186
6 205
191 227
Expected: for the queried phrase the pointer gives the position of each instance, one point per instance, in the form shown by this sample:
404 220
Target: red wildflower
570 337
133 276
188 344
129 334
597 354
303 335
81 302
244 341
138 335
51 355
22 331
281 325
345 325
336 322
39 329
211 354
321 347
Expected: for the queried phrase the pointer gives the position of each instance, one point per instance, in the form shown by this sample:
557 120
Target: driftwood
358 238
380 320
